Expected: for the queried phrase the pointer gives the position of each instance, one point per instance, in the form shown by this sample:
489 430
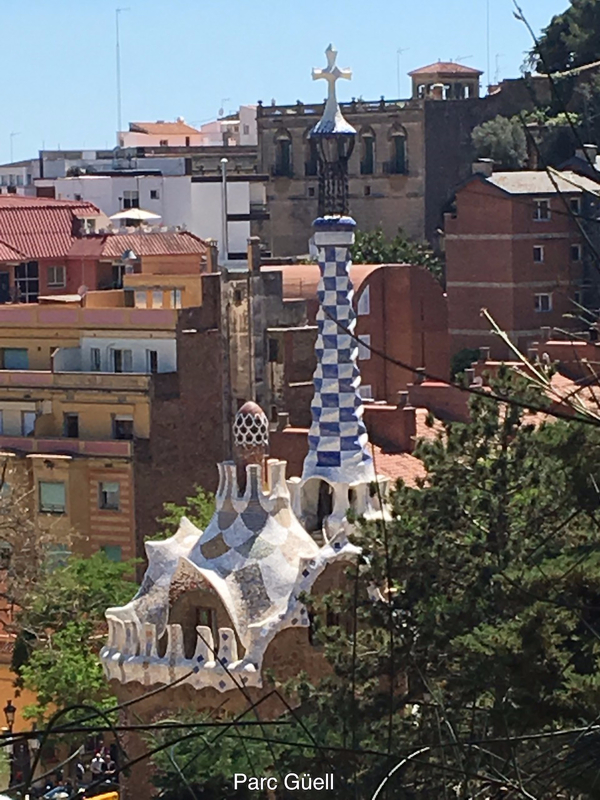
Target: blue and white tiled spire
337 438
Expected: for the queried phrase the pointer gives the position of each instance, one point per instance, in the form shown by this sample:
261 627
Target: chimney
470 376
484 354
546 331
283 421
419 375
483 166
254 254
402 399
212 255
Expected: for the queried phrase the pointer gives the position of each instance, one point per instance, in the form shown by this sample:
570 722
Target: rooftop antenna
12 136
399 52
461 58
497 72
118 12
487 36
223 101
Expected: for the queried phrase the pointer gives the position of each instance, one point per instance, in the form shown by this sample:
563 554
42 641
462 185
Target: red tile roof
113 245
398 465
8 253
158 128
444 68
39 227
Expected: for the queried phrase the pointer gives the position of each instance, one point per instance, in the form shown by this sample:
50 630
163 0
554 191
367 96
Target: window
77 197
15 358
154 194
577 298
311 191
88 225
56 276
575 252
122 361
1 422
364 302
175 298
28 423
140 298
310 156
109 495
363 352
398 154
152 361
163 143
122 426
131 199
246 129
273 349
365 391
157 298
543 302
541 211
71 426
27 281
283 155
538 253
367 191
52 497
113 552
575 205
367 158
95 359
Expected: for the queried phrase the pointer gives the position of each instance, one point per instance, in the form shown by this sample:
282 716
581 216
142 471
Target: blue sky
189 57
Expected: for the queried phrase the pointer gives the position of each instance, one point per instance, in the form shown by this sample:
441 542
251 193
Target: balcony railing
30 445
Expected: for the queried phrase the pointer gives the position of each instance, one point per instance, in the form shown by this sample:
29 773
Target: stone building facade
410 154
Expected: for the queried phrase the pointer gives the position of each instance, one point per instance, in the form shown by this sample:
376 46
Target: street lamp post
224 233
9 713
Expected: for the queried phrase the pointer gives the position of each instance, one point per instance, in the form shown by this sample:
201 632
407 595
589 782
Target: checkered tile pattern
338 437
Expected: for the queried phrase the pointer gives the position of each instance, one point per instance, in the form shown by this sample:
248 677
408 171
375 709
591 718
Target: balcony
28 445
101 381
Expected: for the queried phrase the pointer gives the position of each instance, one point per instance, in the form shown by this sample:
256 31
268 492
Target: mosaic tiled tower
338 437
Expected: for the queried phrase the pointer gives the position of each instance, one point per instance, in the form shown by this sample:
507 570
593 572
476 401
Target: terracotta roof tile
113 245
159 128
40 227
445 68
398 465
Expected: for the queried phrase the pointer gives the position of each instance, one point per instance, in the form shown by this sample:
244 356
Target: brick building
514 246
401 312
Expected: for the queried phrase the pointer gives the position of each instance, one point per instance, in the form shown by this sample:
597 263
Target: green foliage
210 767
571 39
372 247
198 508
493 569
503 140
61 629
463 359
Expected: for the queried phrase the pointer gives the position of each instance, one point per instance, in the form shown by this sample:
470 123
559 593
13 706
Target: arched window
367 151
310 154
283 154
398 163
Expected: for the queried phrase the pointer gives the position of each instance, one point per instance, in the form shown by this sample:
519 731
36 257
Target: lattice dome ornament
251 426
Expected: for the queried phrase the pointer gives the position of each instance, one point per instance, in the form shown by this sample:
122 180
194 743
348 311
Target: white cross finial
331 74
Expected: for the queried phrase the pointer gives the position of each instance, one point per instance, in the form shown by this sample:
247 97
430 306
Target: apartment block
515 245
